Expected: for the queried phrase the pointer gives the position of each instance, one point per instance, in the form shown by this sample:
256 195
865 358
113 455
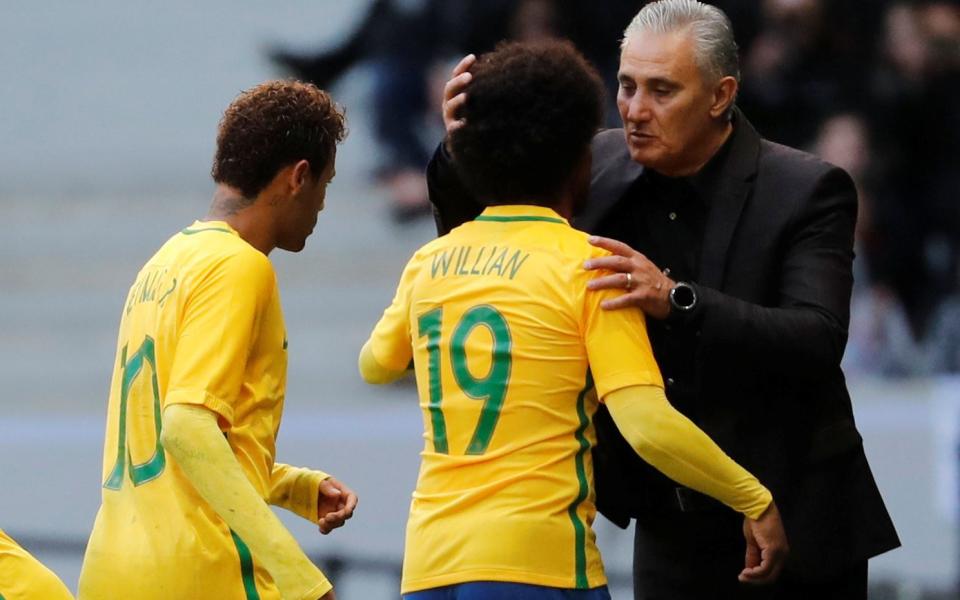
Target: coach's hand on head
335 505
767 547
453 93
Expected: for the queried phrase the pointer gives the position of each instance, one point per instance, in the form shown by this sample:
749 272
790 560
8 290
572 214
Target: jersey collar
201 226
521 212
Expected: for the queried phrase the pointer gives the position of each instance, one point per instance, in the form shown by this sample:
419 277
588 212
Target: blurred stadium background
109 111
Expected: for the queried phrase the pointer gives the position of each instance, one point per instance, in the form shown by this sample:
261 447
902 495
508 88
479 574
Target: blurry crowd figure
411 45
873 86
870 85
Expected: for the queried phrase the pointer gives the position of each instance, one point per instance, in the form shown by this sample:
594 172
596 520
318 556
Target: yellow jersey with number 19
504 336
201 325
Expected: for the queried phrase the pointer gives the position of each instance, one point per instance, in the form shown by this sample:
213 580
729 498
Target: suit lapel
614 172
726 204
612 175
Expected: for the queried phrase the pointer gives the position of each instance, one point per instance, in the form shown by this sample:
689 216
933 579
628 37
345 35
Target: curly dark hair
273 125
531 111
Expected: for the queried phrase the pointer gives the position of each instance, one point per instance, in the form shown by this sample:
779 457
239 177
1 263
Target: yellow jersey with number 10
23 577
201 325
497 320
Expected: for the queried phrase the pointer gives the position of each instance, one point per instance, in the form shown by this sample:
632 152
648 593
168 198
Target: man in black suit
745 278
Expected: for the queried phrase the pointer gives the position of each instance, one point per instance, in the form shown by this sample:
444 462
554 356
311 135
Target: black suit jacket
774 287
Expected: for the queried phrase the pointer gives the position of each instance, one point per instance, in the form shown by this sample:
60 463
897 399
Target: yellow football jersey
504 337
203 325
23 577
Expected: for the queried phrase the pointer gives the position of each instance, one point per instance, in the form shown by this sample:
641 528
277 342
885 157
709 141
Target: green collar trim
504 219
189 231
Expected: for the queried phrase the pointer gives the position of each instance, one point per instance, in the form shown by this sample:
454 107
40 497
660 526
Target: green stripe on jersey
189 231
520 218
246 567
579 529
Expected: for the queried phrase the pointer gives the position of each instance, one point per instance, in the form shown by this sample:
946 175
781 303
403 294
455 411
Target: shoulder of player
424 252
222 249
575 250
249 260
579 246
562 243
566 249
432 246
239 263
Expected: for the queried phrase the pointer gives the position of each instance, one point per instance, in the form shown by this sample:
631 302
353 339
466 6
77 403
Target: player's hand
453 93
328 596
646 286
335 504
767 547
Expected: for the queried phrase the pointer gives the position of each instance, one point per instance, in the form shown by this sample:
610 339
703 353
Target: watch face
682 296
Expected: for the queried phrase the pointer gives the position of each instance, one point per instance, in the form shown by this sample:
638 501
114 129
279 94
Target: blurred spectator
804 63
404 41
913 98
943 342
880 339
399 38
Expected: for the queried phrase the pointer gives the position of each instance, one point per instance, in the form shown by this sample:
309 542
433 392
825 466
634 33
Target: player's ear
298 175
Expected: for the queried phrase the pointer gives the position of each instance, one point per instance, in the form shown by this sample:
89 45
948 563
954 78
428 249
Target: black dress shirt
664 218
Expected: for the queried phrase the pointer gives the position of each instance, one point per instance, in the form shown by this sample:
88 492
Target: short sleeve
219 324
618 347
390 341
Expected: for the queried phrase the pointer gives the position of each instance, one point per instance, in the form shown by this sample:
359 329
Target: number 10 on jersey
491 389
132 368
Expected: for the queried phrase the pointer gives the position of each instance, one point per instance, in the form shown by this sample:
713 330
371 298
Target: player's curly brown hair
531 111
272 125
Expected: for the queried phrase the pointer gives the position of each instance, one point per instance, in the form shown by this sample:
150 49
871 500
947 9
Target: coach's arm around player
192 436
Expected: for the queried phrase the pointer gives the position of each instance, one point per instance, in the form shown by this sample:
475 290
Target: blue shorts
495 590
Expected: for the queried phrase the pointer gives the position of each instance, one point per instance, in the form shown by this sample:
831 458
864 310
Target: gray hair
714 47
